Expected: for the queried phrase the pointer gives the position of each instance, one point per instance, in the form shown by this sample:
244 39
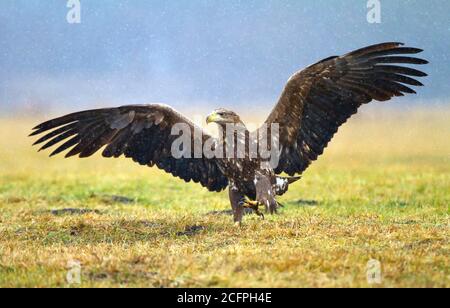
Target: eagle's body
248 177
314 104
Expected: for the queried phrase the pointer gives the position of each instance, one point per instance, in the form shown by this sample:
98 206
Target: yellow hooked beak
212 118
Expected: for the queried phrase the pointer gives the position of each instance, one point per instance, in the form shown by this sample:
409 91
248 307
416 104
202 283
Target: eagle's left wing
319 99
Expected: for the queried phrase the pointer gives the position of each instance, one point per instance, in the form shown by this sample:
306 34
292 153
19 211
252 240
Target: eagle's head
223 117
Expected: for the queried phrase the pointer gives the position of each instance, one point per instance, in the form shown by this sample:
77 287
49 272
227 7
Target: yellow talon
254 205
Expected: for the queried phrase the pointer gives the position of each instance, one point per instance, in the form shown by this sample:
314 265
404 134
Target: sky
197 54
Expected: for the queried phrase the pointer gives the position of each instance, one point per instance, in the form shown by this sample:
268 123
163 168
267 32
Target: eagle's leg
254 205
237 200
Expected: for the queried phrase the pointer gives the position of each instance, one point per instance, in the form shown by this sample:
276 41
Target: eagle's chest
239 170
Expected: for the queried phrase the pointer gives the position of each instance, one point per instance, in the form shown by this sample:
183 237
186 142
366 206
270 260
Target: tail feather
293 179
282 184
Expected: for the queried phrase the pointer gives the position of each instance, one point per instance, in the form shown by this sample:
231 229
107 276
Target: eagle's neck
235 136
238 129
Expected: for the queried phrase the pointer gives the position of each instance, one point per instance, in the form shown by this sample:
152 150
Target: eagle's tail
282 184
293 179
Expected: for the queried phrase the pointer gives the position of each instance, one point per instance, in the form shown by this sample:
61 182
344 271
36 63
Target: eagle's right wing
141 132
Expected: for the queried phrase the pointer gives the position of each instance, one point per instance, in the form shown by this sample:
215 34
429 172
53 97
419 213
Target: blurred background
200 54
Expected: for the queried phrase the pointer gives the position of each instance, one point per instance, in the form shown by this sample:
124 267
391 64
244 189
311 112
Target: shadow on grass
105 232
72 211
303 202
113 199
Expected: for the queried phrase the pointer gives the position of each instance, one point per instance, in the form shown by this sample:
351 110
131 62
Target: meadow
381 191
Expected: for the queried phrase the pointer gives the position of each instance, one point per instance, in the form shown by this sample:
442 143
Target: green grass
381 191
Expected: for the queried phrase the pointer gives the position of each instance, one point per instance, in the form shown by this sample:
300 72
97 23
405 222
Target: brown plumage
319 99
142 133
314 104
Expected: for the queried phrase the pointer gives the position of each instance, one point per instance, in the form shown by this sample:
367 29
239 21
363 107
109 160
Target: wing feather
141 132
319 99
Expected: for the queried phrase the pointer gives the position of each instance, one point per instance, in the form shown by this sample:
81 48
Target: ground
381 191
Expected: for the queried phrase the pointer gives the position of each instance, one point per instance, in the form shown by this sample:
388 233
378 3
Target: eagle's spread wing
319 99
142 133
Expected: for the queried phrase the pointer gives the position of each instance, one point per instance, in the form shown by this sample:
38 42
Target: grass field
382 191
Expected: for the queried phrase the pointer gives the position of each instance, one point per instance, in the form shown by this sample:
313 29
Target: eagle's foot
254 205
